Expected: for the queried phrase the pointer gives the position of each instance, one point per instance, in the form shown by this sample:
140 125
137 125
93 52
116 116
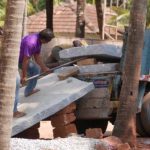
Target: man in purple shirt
30 49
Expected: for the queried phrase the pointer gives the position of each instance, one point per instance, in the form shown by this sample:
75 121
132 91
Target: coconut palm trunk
125 122
99 11
9 67
80 22
49 14
24 27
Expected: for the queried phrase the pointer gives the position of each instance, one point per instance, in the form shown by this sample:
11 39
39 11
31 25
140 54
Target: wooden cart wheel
145 113
139 127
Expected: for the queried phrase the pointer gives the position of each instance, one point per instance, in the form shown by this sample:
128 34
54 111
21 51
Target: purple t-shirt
30 45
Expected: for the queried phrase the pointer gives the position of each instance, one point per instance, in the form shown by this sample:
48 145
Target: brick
64 119
64 131
69 109
46 130
89 61
100 147
124 146
112 141
94 133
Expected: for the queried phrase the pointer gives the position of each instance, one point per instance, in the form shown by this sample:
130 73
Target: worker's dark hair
46 35
77 43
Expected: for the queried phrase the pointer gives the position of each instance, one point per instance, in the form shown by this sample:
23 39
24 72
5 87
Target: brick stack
63 122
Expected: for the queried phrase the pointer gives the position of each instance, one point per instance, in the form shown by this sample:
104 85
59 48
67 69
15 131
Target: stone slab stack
96 104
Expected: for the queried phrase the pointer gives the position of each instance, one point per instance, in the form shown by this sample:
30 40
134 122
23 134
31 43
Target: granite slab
107 51
97 68
53 96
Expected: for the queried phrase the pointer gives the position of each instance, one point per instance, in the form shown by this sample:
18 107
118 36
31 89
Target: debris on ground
70 143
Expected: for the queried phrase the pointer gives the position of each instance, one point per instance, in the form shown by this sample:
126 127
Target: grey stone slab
53 96
98 68
100 50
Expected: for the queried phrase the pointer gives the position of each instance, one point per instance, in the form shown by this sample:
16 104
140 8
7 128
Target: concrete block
61 120
64 131
104 51
95 133
54 95
88 61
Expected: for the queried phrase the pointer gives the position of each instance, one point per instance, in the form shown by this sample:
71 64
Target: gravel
70 143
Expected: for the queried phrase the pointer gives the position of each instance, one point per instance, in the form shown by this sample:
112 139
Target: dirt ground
46 132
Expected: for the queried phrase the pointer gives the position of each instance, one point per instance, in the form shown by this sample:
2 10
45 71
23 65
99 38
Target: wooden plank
69 73
88 61
95 103
97 113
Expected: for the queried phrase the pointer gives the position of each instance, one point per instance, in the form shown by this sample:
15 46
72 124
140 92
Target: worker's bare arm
39 61
24 68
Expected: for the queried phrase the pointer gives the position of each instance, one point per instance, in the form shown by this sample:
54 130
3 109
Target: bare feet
18 114
32 92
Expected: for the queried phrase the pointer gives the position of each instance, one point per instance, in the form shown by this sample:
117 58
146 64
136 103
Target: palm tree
80 22
49 14
99 11
24 27
125 122
9 67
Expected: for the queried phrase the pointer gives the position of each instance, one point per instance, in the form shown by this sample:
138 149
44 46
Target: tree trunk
80 22
68 1
24 26
99 16
9 67
49 14
125 122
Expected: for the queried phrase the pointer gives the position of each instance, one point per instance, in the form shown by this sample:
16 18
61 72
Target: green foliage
2 12
41 4
30 8
91 1
148 15
123 15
